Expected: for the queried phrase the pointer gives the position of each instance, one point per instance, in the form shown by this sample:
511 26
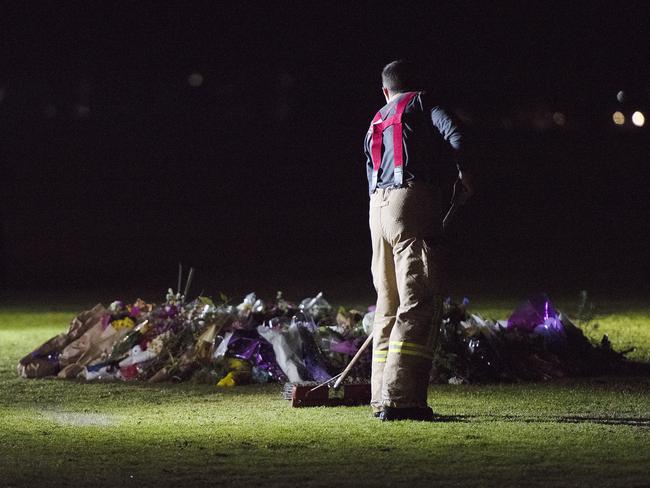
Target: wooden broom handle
351 364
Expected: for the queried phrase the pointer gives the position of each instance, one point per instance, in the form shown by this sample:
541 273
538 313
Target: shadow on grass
636 422
567 419
563 419
452 418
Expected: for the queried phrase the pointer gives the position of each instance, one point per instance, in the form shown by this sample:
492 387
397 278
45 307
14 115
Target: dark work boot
422 414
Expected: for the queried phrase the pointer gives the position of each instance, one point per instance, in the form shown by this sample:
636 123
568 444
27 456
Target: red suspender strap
375 142
378 127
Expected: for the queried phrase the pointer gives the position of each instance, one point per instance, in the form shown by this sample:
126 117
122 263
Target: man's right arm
455 136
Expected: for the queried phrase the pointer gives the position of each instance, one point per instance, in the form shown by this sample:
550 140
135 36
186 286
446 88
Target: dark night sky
116 168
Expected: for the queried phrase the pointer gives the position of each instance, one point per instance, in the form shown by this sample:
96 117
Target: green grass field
572 432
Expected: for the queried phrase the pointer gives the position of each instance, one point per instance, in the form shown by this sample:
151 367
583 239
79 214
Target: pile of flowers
200 340
278 340
536 343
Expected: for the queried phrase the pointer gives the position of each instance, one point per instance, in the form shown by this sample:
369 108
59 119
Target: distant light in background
618 118
286 80
541 119
506 123
620 96
82 111
50 111
559 118
195 80
638 119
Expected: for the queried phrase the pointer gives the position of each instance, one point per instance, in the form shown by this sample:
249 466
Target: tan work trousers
406 271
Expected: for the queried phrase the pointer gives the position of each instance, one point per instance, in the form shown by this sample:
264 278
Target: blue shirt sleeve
453 133
366 151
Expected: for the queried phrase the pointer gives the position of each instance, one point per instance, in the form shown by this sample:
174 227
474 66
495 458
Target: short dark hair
400 76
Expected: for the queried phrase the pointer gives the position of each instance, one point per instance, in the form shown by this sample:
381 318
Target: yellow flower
238 365
125 323
228 380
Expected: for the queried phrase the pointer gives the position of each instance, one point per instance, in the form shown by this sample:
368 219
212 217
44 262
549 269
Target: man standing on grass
409 142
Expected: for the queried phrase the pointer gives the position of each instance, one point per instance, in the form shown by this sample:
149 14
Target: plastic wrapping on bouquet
249 346
538 310
317 307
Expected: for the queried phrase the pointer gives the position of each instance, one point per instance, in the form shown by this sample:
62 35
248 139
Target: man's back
431 142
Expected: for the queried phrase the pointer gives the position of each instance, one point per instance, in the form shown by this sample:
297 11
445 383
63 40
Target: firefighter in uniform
409 141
